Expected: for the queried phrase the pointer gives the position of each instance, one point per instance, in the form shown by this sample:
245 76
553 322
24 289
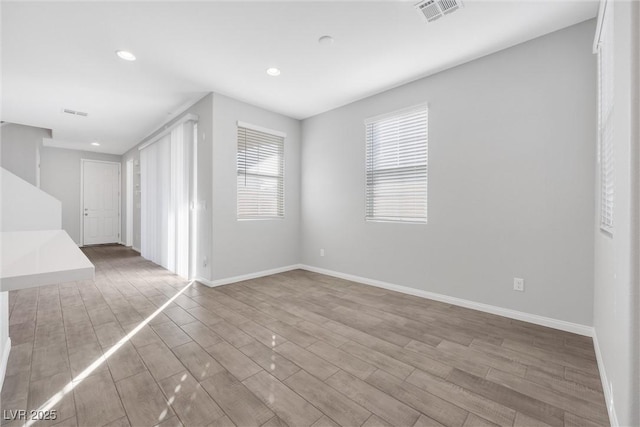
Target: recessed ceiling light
326 40
95 144
126 55
273 71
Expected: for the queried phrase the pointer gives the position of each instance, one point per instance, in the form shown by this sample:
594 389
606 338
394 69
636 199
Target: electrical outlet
321 252
518 284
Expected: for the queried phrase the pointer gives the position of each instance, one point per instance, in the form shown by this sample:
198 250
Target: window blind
166 183
605 118
260 166
396 166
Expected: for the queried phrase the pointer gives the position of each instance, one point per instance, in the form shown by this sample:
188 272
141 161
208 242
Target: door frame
82 163
129 194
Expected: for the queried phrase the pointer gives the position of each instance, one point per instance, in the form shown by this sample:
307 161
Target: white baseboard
228 280
608 397
136 249
500 311
4 360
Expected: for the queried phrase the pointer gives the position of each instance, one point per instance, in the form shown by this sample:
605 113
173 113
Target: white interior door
101 202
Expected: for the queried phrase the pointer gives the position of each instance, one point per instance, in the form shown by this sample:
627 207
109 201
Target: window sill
392 221
274 218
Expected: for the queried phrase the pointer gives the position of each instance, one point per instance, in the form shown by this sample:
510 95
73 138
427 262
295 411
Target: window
260 165
604 49
396 181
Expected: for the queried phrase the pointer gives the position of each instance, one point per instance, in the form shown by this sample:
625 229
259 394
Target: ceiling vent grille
431 10
74 112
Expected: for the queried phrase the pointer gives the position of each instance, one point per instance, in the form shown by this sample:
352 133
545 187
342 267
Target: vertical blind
396 166
155 187
165 183
180 212
605 118
260 166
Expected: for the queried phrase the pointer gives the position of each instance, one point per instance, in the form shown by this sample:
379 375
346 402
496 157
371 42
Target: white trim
261 129
608 398
166 129
500 311
82 161
234 279
4 361
136 249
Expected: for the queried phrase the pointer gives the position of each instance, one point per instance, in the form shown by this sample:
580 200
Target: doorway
100 194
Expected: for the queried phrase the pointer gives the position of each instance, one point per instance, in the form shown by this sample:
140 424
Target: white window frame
370 170
280 195
603 47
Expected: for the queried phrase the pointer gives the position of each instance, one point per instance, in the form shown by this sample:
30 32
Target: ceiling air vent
74 112
432 10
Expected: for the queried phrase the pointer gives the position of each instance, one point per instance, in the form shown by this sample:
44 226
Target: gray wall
242 247
616 257
60 177
19 146
204 110
511 176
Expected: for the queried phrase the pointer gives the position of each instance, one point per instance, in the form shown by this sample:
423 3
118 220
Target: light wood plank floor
296 349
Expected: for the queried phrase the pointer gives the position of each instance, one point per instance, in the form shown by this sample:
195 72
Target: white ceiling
61 55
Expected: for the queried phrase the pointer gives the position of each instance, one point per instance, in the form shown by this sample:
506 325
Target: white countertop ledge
36 258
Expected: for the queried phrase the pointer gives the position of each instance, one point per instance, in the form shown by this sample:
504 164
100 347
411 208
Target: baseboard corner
248 276
204 281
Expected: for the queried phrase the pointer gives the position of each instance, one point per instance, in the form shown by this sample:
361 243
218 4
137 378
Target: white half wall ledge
37 258
608 397
4 361
549 322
